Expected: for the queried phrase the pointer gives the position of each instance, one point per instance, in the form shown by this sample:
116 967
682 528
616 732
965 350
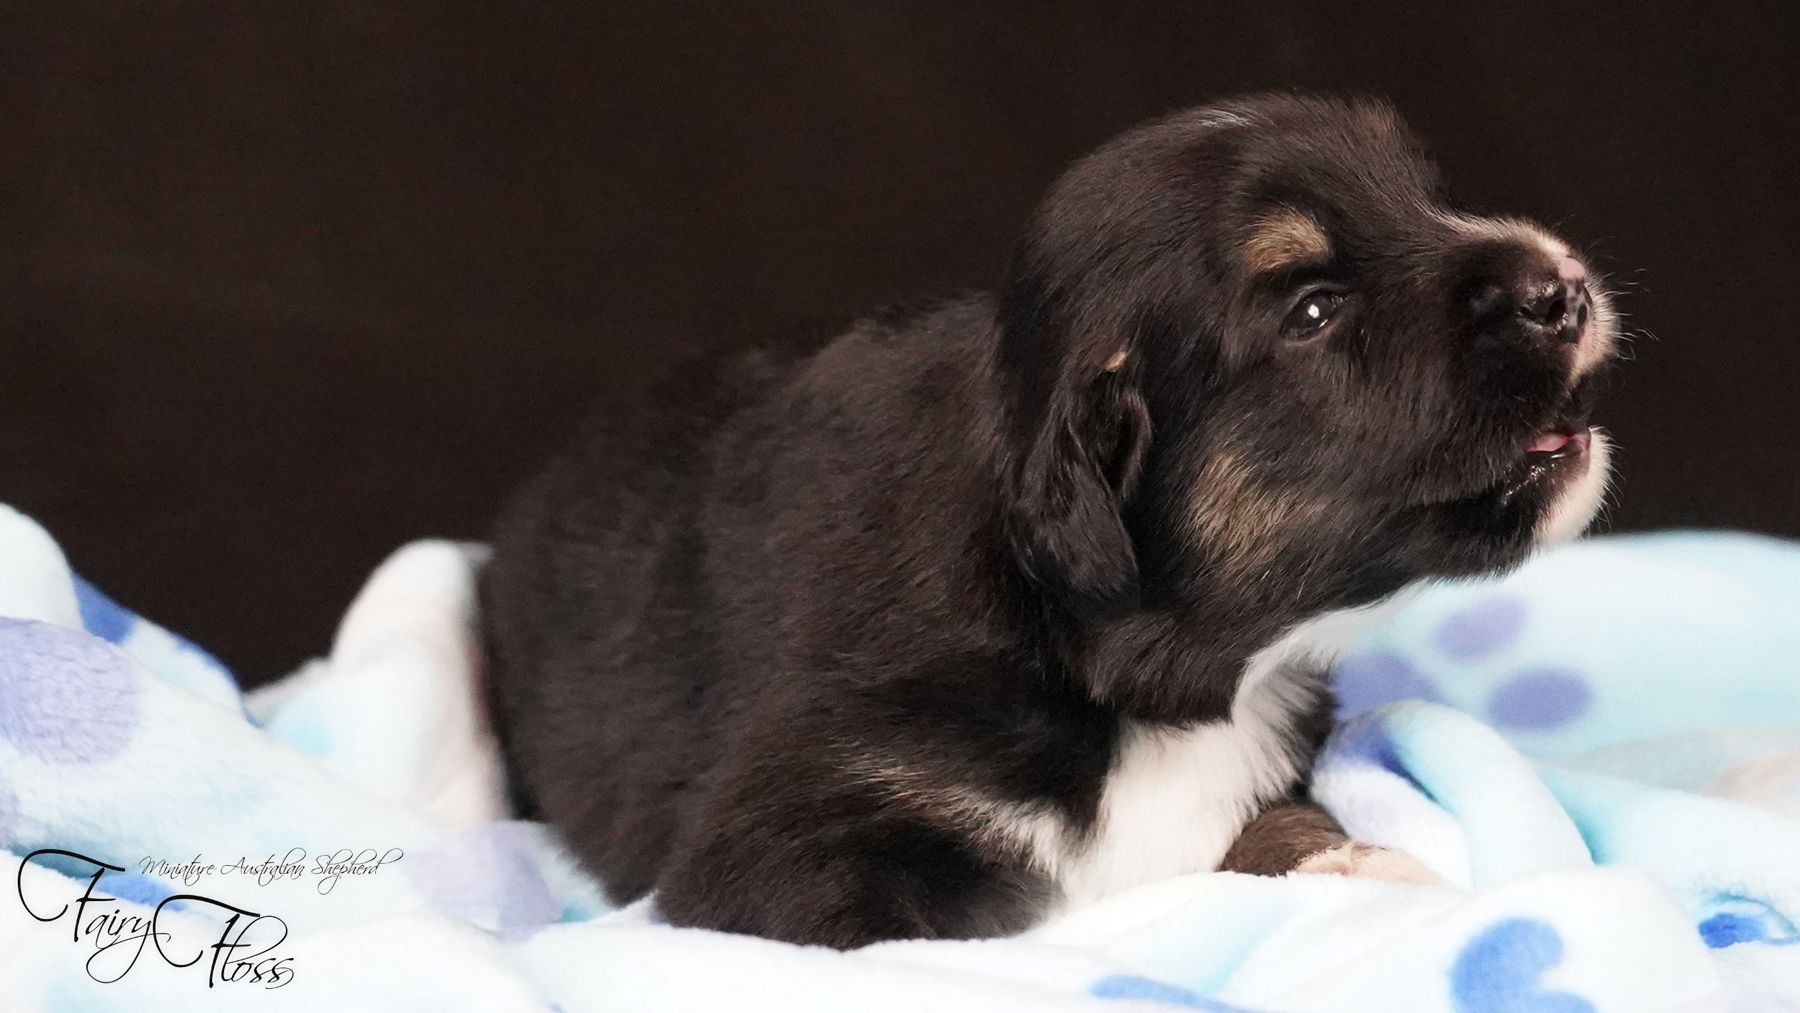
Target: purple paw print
1368 679
1481 629
489 875
1540 698
9 813
1533 699
65 696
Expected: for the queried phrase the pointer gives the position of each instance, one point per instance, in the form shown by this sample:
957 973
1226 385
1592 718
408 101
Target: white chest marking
1177 796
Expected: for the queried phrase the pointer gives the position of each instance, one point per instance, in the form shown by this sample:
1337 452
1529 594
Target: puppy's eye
1312 313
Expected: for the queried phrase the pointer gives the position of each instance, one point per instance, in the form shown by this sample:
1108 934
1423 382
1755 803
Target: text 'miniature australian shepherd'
1014 600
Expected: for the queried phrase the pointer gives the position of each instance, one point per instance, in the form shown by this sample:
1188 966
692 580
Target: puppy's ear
1079 443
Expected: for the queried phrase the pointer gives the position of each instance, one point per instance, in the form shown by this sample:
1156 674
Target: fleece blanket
1599 755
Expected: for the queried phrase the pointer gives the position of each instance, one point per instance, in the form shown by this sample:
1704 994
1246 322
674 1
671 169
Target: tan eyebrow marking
1285 238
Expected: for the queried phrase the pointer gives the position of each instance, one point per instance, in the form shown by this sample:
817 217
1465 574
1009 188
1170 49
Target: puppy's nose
1559 307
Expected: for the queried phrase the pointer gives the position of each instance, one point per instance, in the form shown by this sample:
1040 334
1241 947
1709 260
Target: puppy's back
666 570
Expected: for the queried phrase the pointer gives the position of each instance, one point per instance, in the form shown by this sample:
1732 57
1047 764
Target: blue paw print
102 616
1498 971
1737 920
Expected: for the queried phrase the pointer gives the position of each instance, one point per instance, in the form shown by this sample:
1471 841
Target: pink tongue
1550 441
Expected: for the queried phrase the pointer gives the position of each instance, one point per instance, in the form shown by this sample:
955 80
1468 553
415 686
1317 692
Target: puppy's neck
1178 791
1181 668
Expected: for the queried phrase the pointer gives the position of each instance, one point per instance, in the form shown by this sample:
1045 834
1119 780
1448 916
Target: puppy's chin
1580 497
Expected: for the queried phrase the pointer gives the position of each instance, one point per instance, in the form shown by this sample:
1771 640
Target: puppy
1011 601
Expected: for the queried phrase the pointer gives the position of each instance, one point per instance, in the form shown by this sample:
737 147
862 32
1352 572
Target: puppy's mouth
1559 442
1559 449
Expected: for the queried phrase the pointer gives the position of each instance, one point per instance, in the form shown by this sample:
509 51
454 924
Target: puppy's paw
1369 862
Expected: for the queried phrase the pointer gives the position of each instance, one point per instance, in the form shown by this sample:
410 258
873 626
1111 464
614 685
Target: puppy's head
1255 363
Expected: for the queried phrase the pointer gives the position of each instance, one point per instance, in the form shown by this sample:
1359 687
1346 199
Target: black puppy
1019 599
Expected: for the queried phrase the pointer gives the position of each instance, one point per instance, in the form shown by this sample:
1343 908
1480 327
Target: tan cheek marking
1284 239
1242 522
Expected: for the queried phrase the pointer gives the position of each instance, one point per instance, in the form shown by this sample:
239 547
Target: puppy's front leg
1300 836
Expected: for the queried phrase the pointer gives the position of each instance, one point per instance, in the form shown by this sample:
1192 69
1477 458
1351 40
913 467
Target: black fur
757 633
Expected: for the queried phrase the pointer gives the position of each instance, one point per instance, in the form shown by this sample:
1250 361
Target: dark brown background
287 284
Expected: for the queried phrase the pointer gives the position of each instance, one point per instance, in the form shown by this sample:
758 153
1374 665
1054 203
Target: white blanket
1620 829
